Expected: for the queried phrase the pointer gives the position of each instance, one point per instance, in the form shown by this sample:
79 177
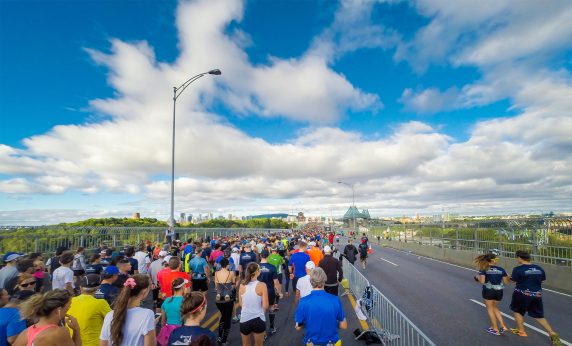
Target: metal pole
172 219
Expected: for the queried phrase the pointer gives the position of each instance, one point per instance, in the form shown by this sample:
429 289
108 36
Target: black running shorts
200 285
256 326
522 304
490 294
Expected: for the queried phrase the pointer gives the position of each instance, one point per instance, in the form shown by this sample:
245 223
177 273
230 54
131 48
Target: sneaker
490 330
503 330
271 331
517 332
236 318
555 339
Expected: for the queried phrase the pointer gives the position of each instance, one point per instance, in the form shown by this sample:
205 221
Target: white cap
168 258
312 243
234 249
163 253
327 249
310 265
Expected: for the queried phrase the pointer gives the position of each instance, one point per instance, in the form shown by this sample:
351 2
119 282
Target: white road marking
383 259
526 324
473 270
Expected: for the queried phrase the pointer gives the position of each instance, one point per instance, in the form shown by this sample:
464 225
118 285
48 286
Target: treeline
117 222
253 223
152 222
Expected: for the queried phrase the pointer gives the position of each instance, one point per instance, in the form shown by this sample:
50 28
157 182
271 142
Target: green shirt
277 261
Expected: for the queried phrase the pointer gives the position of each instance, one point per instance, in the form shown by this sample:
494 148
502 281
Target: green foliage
252 223
117 222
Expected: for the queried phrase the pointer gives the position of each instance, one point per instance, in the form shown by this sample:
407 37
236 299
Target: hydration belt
529 293
490 286
329 343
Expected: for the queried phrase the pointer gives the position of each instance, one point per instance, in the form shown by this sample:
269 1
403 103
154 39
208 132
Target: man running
527 295
297 263
362 249
350 252
269 275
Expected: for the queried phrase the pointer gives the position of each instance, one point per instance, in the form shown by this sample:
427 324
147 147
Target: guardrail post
534 242
115 240
457 238
476 241
430 237
36 244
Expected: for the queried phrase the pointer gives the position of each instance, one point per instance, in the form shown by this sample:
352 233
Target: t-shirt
236 259
276 260
134 265
267 275
493 275
172 309
6 274
198 266
304 286
320 312
246 258
95 268
107 292
188 249
61 276
89 312
10 324
362 248
214 255
138 323
299 260
167 279
186 334
315 255
143 261
528 277
231 265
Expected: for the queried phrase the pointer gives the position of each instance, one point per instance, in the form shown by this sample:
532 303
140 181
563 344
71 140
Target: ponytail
131 288
42 305
176 285
251 270
193 303
483 262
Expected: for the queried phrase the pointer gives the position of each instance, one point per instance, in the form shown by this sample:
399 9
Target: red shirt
166 278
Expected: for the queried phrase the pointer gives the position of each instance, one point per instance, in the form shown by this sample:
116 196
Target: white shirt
154 268
138 323
61 277
304 286
143 261
236 258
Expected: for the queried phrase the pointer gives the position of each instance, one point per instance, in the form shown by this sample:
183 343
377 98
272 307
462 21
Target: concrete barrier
557 277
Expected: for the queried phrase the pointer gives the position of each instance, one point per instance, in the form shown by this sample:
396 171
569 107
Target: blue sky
424 105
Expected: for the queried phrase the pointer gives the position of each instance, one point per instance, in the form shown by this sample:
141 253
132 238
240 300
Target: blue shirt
267 275
230 267
299 260
247 257
107 292
10 324
187 334
320 312
493 275
172 309
197 266
187 250
528 277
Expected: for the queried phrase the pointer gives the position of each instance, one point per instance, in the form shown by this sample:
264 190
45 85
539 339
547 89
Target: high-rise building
136 216
190 218
182 217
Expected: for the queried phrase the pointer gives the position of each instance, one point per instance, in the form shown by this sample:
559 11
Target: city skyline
424 106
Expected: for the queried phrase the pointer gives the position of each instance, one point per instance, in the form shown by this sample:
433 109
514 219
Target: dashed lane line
383 259
526 324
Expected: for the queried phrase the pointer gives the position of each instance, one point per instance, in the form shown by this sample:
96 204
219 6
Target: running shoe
555 339
271 331
503 330
236 318
490 330
517 332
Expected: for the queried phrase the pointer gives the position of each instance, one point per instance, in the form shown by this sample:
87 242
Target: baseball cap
111 270
234 249
163 253
327 249
310 265
90 281
312 243
11 256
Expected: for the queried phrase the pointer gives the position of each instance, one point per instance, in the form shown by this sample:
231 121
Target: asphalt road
443 301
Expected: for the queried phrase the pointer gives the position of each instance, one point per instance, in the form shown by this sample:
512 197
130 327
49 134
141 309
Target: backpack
77 263
367 299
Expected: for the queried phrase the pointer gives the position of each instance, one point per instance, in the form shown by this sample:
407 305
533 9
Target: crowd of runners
156 294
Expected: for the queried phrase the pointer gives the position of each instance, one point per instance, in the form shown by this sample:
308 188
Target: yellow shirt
89 312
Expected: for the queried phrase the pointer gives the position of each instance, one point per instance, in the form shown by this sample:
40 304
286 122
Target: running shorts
490 294
200 285
271 298
78 272
362 257
253 326
522 304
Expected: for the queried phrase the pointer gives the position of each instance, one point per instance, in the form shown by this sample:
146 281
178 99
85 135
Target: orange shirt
315 255
168 276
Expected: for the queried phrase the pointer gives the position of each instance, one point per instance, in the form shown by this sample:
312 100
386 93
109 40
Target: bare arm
343 324
264 294
163 317
150 339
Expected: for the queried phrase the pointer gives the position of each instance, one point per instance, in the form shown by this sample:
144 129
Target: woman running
129 324
493 278
171 311
225 281
193 311
50 310
253 297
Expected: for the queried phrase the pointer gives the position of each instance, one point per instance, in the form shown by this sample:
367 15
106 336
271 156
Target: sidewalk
286 334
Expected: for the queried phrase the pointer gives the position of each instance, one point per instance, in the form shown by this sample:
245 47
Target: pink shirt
215 254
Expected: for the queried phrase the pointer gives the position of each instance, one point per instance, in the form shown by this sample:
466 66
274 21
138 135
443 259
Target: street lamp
353 199
176 93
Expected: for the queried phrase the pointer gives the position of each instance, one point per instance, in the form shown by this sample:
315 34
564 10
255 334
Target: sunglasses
28 284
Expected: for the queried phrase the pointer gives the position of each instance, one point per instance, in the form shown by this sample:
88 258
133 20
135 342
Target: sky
424 106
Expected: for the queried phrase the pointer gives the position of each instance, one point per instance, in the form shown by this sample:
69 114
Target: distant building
136 216
354 215
190 218
268 216
182 217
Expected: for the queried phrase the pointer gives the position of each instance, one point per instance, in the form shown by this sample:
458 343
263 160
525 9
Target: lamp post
176 93
353 199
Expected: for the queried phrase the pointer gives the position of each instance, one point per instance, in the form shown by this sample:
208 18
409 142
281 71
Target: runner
493 278
225 297
363 249
350 252
297 263
269 275
527 295
200 272
333 269
193 311
253 297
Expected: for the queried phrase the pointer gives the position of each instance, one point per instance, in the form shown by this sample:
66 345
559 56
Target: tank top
33 332
251 304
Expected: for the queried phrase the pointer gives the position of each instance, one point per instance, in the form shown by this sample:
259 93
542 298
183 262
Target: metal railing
386 319
47 239
544 247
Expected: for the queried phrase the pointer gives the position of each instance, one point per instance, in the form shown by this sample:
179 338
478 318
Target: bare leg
498 314
544 323
259 339
491 312
245 339
519 322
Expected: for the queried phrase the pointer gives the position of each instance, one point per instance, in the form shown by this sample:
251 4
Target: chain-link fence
48 239
548 242
386 319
